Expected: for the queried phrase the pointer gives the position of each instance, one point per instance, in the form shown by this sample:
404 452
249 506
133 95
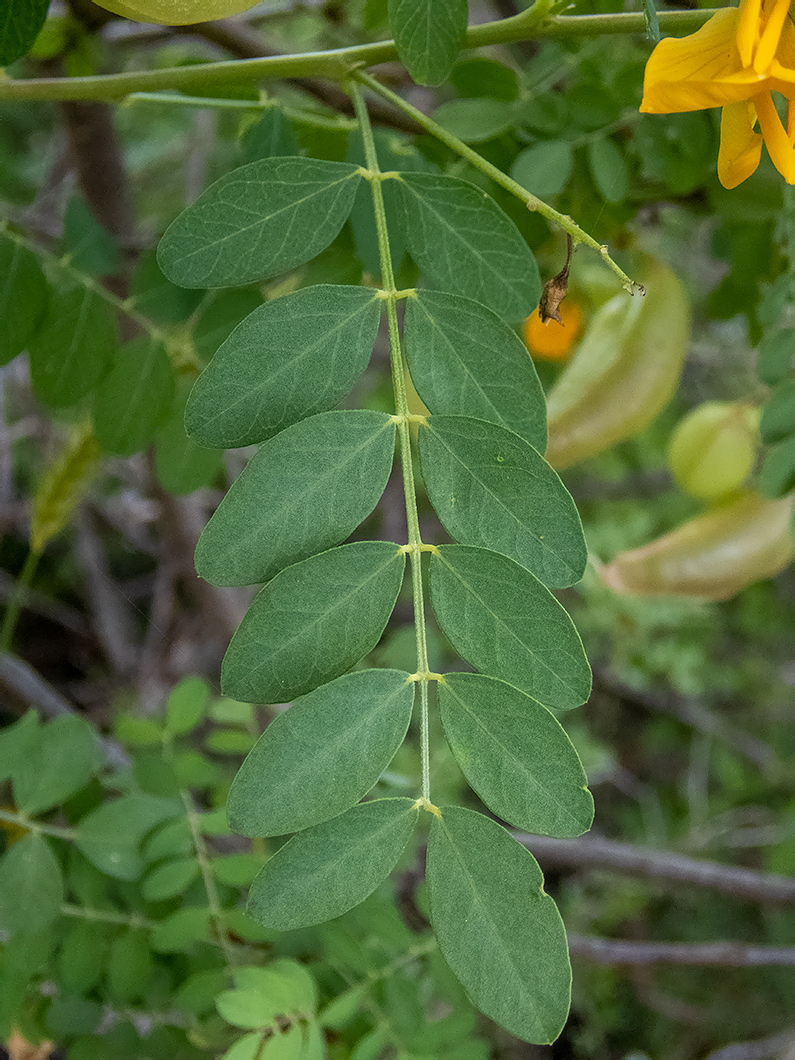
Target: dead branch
596 852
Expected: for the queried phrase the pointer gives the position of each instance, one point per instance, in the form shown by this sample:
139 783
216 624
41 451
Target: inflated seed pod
713 448
176 12
624 372
712 556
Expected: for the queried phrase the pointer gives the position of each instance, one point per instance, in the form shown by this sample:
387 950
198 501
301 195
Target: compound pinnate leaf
465 361
259 220
467 244
31 886
304 491
327 870
23 298
135 398
73 349
313 622
492 489
290 358
500 618
515 755
20 23
497 929
324 754
428 35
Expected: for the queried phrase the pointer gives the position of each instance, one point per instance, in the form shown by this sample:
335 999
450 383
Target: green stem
577 234
422 949
334 64
17 600
213 900
36 826
182 354
402 409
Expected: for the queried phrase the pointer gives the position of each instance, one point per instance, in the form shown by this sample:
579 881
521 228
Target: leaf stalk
403 419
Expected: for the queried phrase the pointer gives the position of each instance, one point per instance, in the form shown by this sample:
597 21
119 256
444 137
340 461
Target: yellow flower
735 61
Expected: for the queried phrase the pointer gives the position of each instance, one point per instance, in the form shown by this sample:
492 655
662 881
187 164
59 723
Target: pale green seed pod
176 12
712 556
713 449
624 372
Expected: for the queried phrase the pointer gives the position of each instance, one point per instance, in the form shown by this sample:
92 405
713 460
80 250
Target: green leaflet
156 297
776 352
476 121
182 465
219 313
465 361
313 622
257 221
261 995
492 489
515 755
187 705
23 298
428 35
777 473
169 879
61 759
304 491
110 835
90 247
778 415
270 137
292 357
73 349
497 929
31 886
129 967
500 618
609 168
327 870
134 399
324 754
281 1045
20 23
467 245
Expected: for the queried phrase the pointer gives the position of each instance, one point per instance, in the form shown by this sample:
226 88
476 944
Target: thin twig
716 954
595 852
778 1045
245 43
696 715
17 677
112 618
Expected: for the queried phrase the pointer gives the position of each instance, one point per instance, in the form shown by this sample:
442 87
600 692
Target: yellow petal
740 146
778 143
747 26
699 71
782 69
769 41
